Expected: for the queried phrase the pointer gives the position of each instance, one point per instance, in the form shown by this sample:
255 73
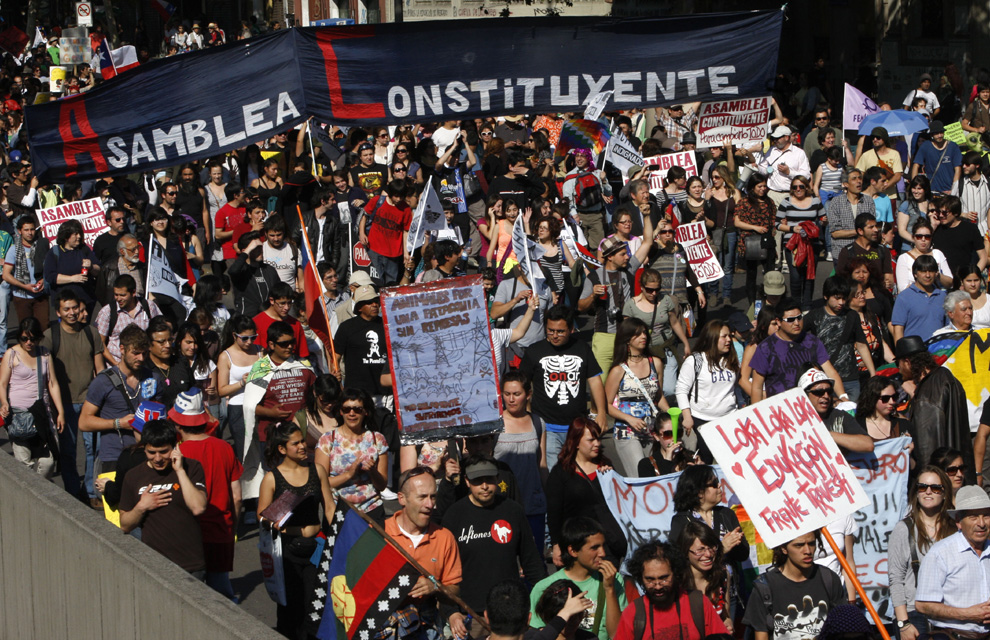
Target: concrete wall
65 572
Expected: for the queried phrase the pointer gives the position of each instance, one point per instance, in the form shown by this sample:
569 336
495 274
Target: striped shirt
975 196
791 214
831 178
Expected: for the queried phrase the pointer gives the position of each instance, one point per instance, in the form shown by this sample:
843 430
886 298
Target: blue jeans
219 581
388 268
852 389
802 289
669 374
555 441
67 450
91 441
727 259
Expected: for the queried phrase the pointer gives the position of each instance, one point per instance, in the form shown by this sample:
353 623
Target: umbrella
897 123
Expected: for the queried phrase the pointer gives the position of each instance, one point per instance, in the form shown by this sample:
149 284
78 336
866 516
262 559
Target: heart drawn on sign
840 460
737 469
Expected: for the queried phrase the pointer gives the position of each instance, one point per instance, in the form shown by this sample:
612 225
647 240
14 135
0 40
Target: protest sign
967 356
664 163
705 265
742 122
884 476
428 216
856 106
442 360
785 466
620 152
161 278
90 213
596 104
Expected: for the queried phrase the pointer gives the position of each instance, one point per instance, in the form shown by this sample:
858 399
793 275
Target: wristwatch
902 623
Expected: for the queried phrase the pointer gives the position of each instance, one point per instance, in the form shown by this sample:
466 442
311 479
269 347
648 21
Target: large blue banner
208 102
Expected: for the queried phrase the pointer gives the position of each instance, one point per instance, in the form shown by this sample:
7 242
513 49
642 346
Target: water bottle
466 252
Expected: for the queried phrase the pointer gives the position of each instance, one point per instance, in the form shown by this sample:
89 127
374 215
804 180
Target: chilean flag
116 61
164 8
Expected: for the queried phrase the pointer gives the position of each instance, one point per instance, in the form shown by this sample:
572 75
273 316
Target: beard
663 600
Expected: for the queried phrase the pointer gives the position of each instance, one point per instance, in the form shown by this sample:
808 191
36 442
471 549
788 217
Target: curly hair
655 550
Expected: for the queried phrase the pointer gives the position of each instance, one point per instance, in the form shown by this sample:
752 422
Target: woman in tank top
269 185
240 353
216 197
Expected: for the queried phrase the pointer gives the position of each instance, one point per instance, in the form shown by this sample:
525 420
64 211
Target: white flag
597 104
620 152
428 216
527 253
161 278
856 105
39 38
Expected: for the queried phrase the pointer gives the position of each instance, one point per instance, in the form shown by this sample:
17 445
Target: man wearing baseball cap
781 163
941 159
222 470
954 578
848 434
883 156
773 291
924 91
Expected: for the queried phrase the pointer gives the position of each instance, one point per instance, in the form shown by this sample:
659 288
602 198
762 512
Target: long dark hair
326 388
694 480
718 575
627 330
239 323
362 396
278 436
209 288
201 361
866 405
944 524
568 452
708 344
764 319
751 196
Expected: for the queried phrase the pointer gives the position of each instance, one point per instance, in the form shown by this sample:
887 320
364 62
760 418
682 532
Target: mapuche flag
361 578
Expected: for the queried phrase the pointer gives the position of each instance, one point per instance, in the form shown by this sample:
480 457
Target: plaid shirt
124 320
677 128
841 218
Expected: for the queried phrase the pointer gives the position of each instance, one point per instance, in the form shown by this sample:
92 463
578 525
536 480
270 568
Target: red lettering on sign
86 143
361 257
325 38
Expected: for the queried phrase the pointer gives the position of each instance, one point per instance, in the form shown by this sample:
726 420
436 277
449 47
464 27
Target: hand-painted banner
170 110
884 476
705 265
666 162
441 327
741 122
785 466
90 213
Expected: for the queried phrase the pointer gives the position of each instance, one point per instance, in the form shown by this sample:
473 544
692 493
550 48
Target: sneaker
389 495
828 258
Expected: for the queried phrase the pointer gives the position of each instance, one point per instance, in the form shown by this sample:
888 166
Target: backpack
113 315
588 193
762 587
56 334
695 598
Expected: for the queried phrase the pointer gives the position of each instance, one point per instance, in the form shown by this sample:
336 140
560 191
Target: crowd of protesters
902 225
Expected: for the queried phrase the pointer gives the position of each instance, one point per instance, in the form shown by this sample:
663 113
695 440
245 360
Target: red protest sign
694 238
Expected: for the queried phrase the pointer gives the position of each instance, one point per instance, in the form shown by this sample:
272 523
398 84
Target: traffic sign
84 14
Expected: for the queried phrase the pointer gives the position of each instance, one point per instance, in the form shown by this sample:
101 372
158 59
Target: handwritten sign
785 467
703 262
884 476
90 213
443 364
742 122
666 162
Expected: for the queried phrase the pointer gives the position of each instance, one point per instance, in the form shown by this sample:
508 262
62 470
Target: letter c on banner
325 38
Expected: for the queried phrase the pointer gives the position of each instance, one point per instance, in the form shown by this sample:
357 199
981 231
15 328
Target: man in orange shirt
433 547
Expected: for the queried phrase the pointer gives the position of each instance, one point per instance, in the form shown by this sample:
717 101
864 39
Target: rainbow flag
582 134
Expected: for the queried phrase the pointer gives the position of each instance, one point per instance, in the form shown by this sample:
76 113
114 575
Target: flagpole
319 281
312 151
416 565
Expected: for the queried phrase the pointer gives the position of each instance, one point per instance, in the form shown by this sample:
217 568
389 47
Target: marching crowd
199 420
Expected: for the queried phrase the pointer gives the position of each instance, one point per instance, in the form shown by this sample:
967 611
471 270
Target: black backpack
56 334
696 600
762 587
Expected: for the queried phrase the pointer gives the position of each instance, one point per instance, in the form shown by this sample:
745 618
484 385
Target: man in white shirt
782 163
923 91
973 191
445 136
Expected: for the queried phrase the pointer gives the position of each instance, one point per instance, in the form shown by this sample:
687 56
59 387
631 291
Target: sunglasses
667 434
351 409
412 473
791 319
486 133
798 187
29 338
923 236
171 193
651 289
937 489
402 150
953 470
286 343
399 169
666 232
821 119
713 484
246 338
818 393
885 398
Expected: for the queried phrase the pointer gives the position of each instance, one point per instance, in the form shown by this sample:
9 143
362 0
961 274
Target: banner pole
851 576
312 151
429 576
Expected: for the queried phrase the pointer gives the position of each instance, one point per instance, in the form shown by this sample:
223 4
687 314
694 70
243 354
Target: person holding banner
909 543
633 391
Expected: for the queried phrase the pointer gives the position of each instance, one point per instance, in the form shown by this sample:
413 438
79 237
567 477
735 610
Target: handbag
471 184
20 426
757 247
42 413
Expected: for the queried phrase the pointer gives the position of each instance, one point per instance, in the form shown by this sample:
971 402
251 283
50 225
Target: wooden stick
851 576
416 565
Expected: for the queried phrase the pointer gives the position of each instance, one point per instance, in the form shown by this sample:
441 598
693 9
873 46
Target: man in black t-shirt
369 176
841 333
563 370
848 434
360 344
164 497
516 185
955 237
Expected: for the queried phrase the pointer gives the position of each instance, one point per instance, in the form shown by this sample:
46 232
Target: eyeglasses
937 489
797 318
171 193
702 552
402 150
286 343
246 338
667 434
382 135
29 338
399 170
412 473
713 484
821 119
922 236
624 222
888 398
798 186
953 470
351 409
818 393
